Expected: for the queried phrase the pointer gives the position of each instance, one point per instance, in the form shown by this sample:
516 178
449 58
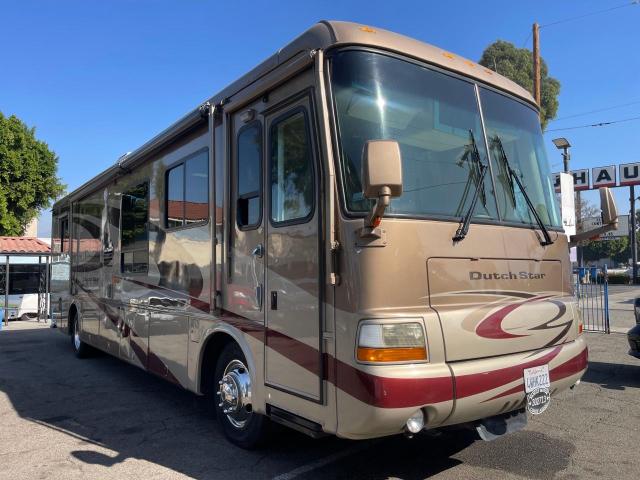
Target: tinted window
26 279
188 192
434 118
291 169
64 234
517 128
175 197
249 165
197 189
134 230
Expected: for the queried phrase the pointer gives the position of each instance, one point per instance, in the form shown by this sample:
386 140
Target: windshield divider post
486 146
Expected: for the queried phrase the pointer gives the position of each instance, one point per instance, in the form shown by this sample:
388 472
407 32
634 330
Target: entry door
292 212
245 271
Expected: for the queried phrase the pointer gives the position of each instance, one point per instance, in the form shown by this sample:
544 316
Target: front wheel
80 348
231 391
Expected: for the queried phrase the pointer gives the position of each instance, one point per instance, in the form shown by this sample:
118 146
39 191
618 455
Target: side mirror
609 219
608 207
381 177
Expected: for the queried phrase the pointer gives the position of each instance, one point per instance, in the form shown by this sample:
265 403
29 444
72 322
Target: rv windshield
431 114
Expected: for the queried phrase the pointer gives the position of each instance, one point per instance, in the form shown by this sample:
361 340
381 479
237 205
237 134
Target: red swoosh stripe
491 327
475 383
570 367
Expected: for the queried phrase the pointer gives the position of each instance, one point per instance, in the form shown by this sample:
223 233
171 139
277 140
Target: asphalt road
99 418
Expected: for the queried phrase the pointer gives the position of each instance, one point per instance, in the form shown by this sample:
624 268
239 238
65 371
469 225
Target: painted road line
321 462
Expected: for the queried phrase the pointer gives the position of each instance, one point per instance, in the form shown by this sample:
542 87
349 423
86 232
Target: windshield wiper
478 173
512 175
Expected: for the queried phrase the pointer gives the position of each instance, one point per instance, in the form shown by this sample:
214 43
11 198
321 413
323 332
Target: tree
517 64
617 249
28 181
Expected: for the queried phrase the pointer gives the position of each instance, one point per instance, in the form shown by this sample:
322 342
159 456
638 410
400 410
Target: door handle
258 251
274 300
259 296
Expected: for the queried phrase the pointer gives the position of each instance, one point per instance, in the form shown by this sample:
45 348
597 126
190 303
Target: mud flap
494 427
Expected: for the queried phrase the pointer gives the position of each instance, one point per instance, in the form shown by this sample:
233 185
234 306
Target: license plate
536 378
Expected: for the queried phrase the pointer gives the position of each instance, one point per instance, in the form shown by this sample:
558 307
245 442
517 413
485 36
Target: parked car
633 335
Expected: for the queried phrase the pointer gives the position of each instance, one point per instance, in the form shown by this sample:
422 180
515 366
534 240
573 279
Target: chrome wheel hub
234 393
76 336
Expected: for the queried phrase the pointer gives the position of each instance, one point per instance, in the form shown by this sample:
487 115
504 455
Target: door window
249 173
291 176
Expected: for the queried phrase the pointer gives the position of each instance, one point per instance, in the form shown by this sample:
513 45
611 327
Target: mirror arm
374 217
579 237
377 211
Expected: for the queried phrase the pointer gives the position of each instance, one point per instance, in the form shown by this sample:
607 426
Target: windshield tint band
431 114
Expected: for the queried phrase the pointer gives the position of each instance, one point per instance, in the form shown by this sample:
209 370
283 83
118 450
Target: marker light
391 342
580 322
415 422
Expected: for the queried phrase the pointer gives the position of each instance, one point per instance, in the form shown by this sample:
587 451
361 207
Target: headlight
391 342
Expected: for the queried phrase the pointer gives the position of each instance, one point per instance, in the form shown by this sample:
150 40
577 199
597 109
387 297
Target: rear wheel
80 348
231 392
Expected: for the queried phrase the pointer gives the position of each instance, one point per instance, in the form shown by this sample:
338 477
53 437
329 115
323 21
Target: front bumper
633 336
371 404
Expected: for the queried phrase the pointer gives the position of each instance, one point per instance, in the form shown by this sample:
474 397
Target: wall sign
580 180
604 176
629 174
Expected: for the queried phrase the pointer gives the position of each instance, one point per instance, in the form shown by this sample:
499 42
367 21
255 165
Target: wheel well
210 357
73 316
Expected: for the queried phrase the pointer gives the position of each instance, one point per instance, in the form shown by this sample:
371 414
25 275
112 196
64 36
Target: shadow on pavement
613 376
120 412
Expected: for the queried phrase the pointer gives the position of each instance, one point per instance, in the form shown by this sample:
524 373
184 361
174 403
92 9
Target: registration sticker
536 386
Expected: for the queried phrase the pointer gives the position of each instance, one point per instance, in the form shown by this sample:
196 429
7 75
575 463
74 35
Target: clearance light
580 321
392 342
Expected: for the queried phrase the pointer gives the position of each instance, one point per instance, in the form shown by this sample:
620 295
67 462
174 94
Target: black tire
80 348
246 428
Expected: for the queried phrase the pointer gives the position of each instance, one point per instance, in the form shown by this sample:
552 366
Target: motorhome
359 237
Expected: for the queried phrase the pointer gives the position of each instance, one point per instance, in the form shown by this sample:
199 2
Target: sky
98 79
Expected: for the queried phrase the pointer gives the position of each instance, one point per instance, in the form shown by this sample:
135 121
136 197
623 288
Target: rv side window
174 211
249 173
196 205
134 231
187 201
291 169
64 235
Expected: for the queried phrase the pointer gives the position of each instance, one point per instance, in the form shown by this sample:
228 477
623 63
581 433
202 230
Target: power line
577 17
600 124
613 107
628 4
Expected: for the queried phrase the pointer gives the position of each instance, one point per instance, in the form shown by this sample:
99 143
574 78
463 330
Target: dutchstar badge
538 400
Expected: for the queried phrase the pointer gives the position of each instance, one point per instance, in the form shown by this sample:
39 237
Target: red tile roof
22 245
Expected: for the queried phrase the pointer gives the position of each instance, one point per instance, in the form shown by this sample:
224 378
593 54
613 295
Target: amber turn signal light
405 354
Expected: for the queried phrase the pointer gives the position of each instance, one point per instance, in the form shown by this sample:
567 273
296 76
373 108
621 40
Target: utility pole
632 235
536 64
579 226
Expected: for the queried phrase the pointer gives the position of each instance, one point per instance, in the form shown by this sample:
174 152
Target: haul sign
604 176
629 174
580 180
